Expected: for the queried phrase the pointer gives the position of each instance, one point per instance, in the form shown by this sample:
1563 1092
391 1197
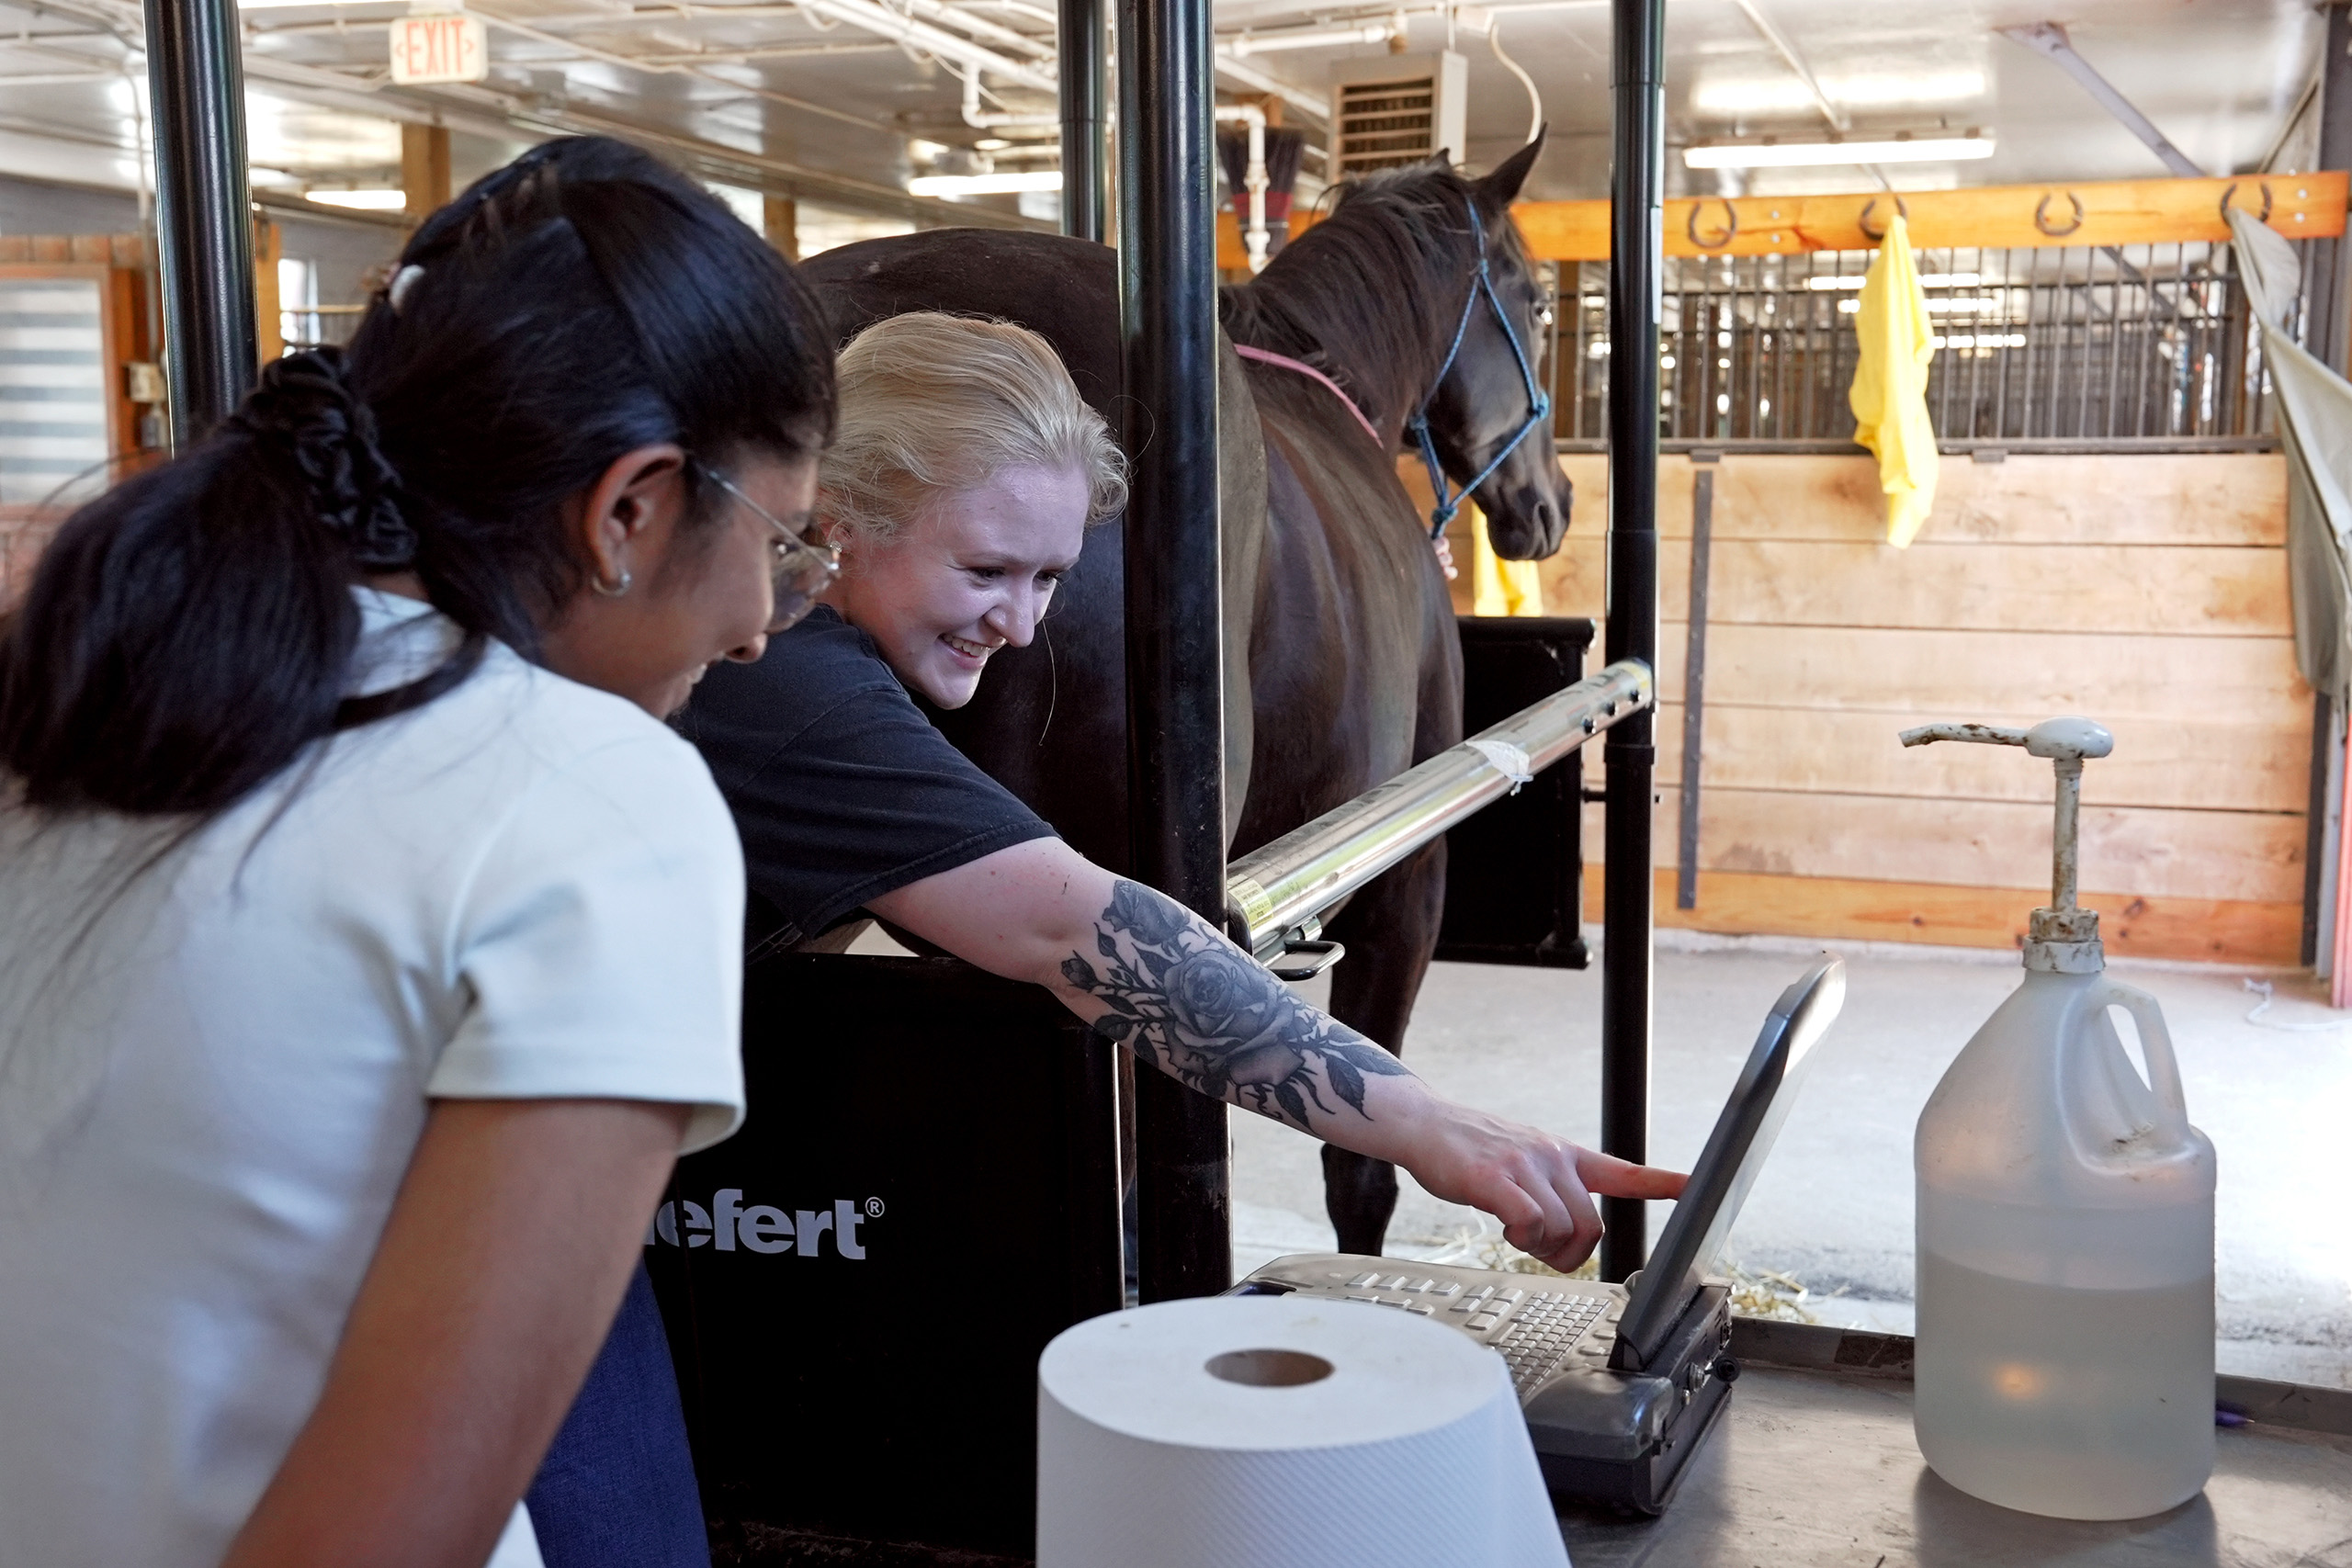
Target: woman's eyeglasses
804 567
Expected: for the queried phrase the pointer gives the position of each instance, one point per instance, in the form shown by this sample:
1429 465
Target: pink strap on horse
1265 357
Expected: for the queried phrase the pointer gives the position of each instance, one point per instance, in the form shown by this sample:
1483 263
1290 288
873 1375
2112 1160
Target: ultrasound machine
1619 1383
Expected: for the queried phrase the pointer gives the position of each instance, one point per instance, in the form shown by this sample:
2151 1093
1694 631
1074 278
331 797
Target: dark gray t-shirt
841 790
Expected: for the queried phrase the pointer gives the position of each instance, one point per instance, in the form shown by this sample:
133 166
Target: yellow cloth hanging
1890 393
1499 587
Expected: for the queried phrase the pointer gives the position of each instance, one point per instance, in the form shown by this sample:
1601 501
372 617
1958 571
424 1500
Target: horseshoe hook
1730 225
1863 223
2041 216
2262 217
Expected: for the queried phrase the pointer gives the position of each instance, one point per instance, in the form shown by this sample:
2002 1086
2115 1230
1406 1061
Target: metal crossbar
1275 889
2090 346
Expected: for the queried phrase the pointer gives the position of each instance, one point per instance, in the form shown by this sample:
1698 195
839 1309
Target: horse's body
1342 665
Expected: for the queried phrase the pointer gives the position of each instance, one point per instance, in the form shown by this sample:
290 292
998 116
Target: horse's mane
1359 295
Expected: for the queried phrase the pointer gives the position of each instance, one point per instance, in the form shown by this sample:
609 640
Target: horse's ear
1501 185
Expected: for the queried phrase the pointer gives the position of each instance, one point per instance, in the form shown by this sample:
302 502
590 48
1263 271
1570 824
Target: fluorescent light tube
366 200
1009 184
1941 304
1808 154
1835 281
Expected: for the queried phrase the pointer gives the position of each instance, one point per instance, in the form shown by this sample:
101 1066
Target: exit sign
439 48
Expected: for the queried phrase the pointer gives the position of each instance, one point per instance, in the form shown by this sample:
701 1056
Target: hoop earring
616 590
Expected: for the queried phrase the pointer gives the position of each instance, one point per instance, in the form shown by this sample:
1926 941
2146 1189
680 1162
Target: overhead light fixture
1011 183
364 200
1900 149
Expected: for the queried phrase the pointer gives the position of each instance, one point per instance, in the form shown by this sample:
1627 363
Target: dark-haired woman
371 947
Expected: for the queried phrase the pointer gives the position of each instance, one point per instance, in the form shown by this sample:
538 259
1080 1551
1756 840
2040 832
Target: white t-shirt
211 1081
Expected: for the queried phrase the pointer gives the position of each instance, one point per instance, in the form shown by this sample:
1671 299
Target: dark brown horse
1342 665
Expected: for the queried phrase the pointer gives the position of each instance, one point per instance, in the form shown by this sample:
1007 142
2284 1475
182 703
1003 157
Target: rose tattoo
1196 1006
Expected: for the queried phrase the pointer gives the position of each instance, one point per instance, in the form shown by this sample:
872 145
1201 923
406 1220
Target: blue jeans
617 1489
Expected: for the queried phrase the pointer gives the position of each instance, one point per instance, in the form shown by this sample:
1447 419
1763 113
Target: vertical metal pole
1694 685
1637 257
1175 687
1085 170
203 215
2328 334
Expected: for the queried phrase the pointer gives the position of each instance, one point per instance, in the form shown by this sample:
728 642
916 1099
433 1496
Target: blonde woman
957 492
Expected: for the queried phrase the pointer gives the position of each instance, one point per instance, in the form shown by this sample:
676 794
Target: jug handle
2156 1046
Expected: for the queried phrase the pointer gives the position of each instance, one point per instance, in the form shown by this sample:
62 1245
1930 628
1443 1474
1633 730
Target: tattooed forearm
1197 1008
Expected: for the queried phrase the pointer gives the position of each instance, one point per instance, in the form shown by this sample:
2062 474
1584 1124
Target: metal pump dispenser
2064 1358
2064 938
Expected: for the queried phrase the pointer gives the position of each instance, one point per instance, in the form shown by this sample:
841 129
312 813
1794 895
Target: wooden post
269 327
424 169
780 218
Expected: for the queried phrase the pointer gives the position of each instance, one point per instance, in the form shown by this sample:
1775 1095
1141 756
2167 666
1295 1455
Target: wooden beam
2155 498
424 169
2212 930
2151 851
2220 763
268 247
780 220
2113 212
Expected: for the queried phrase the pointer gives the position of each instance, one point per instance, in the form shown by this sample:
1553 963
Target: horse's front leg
1390 929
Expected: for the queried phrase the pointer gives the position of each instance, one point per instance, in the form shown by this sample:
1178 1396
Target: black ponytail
188 633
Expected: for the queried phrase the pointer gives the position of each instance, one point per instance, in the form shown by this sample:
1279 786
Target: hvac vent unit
1391 110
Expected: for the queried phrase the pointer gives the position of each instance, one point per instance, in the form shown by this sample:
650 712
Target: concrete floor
1835 1207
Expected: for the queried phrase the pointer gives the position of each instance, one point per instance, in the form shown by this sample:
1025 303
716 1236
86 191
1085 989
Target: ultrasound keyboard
1533 1326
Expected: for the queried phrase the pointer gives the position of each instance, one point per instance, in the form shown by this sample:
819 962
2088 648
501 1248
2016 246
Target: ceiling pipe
948 46
1255 238
1243 45
2050 40
871 17
981 28
866 15
1838 119
863 14
1315 105
991 120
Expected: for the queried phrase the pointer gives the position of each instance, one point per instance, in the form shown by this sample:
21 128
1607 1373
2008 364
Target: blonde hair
932 403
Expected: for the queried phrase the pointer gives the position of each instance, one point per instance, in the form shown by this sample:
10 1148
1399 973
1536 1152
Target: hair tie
302 404
404 283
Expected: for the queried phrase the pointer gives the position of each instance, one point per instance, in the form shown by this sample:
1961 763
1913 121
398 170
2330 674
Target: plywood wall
2147 591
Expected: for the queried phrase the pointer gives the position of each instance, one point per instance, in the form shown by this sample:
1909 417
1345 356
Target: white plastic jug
2066 1229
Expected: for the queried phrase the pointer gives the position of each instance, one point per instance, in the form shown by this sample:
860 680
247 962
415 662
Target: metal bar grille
2085 346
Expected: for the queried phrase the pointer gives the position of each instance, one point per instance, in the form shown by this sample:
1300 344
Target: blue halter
1539 404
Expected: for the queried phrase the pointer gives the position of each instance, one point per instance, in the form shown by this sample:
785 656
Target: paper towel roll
1282 1432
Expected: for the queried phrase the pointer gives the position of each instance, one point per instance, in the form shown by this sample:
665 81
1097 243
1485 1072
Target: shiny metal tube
203 211
1275 889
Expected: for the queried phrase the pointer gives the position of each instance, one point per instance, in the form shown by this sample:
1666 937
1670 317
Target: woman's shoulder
506 730
541 724
807 671
824 648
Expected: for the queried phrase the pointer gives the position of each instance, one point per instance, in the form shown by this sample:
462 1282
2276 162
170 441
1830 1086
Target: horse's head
1484 405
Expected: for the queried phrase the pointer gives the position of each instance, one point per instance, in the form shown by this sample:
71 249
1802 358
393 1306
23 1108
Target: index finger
1614 1178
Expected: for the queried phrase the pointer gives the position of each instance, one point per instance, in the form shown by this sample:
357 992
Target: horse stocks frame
861 1366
